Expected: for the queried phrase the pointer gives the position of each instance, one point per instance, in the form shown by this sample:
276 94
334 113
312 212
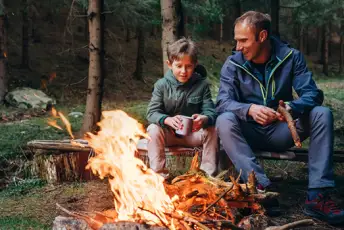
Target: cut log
56 166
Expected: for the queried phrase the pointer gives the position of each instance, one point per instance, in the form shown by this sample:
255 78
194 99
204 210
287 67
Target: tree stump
60 161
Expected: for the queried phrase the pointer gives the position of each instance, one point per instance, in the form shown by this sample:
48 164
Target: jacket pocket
194 100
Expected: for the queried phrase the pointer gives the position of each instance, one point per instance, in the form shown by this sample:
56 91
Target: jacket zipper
263 90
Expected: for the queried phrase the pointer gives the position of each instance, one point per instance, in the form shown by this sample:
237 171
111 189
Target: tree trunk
319 42
325 51
127 34
341 60
25 35
237 8
275 17
221 33
95 71
171 19
138 74
301 38
3 54
306 41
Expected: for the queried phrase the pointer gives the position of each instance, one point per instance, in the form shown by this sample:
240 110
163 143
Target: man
253 80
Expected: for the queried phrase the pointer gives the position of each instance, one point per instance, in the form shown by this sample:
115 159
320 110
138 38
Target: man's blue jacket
240 84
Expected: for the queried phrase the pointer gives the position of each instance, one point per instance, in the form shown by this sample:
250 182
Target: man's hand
263 115
174 122
280 117
198 122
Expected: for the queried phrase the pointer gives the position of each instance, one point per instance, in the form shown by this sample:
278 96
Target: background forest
53 46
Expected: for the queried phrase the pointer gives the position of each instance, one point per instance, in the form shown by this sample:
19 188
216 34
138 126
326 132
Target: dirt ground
93 196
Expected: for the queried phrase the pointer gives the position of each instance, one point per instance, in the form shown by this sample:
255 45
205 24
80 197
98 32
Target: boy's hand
263 115
174 122
198 122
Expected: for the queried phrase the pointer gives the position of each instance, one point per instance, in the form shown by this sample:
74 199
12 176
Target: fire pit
143 200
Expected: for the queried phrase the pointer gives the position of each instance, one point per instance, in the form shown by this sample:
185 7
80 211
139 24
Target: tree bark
3 54
171 19
341 59
319 42
275 6
138 74
95 71
325 48
25 35
301 38
221 33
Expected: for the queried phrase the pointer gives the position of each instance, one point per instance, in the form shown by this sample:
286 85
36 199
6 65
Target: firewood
291 123
252 183
292 225
95 224
217 200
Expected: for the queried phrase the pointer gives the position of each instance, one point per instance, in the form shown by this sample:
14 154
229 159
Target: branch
292 225
217 200
291 124
293 7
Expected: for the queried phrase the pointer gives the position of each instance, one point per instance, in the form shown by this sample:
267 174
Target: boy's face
183 68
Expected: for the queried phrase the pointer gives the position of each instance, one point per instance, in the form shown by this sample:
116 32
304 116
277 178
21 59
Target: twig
291 124
292 225
89 220
217 200
153 213
189 219
222 223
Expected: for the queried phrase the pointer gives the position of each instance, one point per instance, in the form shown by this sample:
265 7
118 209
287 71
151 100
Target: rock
66 223
75 114
29 98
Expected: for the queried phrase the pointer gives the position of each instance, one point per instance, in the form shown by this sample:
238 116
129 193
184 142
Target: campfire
189 201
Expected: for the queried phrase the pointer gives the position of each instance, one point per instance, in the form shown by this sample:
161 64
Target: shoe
324 208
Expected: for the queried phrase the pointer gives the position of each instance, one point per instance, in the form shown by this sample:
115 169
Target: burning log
291 123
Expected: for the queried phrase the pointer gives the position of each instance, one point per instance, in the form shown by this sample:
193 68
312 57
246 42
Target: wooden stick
222 223
89 220
217 200
291 124
292 225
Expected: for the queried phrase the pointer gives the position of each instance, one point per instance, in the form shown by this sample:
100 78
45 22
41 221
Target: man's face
245 36
183 68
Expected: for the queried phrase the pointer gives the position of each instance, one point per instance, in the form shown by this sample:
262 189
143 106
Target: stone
27 98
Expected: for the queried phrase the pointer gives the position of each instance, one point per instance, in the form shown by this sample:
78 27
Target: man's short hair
257 20
181 47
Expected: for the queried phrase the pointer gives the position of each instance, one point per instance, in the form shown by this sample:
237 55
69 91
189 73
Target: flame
139 192
5 54
65 121
53 123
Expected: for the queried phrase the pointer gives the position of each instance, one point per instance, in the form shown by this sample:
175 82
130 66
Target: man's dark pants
240 139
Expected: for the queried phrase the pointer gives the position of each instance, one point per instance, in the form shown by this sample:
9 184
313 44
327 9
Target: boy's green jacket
170 98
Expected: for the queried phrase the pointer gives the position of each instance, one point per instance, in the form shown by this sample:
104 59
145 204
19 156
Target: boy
182 91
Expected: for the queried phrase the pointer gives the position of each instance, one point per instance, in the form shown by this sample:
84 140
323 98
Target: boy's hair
257 21
181 47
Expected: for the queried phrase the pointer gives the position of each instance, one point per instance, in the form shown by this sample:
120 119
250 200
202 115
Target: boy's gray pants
239 138
161 137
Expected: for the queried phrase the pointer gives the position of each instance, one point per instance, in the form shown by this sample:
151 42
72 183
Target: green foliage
133 13
21 187
19 222
203 13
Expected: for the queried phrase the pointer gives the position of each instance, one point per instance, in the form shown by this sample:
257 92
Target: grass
20 222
